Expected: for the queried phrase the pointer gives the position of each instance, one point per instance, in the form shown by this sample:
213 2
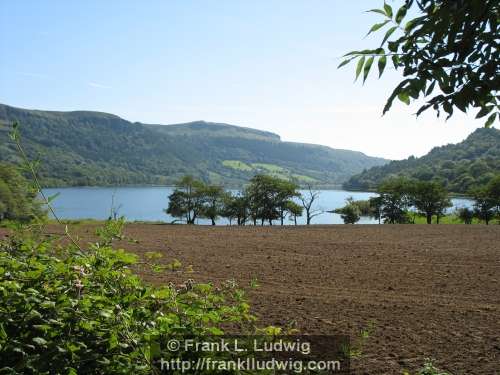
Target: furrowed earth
430 291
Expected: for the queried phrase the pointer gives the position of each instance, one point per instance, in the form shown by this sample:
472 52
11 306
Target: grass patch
273 168
238 165
269 169
448 219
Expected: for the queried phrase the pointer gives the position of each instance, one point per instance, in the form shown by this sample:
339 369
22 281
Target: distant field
430 290
238 165
271 169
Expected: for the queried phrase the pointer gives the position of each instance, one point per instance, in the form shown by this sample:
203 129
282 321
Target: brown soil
430 290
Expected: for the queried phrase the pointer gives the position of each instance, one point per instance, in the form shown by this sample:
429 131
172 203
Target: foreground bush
66 310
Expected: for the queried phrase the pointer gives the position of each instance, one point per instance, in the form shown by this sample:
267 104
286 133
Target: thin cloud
98 85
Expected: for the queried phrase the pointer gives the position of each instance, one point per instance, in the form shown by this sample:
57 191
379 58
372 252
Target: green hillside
460 167
93 148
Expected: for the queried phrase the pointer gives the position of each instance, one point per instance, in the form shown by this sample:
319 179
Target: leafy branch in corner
448 55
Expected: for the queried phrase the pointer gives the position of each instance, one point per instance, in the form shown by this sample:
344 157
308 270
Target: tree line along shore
270 200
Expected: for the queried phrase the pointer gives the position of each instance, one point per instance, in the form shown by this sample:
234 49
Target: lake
148 203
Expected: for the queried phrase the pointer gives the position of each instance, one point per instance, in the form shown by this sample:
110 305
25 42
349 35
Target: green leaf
113 341
3 334
379 11
388 34
52 197
388 10
460 101
367 68
448 108
352 53
401 14
404 97
399 88
105 313
409 25
381 65
40 341
215 331
430 89
395 61
345 62
359 67
377 26
490 120
393 46
484 111
48 304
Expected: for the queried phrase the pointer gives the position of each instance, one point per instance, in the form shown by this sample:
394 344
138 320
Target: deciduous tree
430 198
294 210
396 200
212 202
308 198
484 206
186 201
268 198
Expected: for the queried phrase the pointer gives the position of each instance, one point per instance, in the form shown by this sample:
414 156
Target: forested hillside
460 167
93 148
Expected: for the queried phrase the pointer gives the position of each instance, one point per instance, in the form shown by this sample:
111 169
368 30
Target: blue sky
265 64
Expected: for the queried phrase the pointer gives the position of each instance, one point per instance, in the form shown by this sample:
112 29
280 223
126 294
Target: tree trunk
429 218
213 221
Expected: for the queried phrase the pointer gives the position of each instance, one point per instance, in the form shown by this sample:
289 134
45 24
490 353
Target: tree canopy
448 54
186 202
430 198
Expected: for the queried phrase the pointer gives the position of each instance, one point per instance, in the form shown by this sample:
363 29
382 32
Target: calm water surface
148 203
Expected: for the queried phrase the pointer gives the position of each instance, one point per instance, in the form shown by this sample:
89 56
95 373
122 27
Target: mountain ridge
97 148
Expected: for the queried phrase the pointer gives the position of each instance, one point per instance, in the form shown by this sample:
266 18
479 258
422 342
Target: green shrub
365 208
65 310
350 213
